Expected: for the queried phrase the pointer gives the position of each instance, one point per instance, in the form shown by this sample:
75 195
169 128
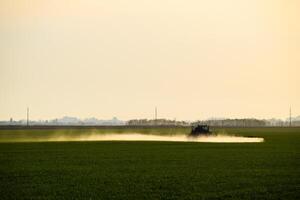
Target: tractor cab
200 130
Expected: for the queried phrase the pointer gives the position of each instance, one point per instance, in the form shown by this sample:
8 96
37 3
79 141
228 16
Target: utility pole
155 116
290 116
27 116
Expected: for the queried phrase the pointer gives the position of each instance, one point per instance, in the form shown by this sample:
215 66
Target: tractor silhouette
199 130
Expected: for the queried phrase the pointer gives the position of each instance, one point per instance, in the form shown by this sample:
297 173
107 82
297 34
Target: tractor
200 130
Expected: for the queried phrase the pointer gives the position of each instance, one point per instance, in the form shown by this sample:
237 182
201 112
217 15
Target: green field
150 170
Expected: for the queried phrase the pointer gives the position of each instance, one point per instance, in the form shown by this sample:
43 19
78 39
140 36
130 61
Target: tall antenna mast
290 116
155 114
27 116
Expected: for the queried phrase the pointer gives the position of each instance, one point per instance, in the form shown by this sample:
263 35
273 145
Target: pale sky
193 59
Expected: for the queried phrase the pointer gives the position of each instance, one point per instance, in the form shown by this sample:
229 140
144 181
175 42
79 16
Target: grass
151 170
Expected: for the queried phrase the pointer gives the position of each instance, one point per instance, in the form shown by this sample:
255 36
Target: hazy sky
192 59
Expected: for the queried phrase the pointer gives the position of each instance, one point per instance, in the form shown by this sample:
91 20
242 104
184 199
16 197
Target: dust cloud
145 137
